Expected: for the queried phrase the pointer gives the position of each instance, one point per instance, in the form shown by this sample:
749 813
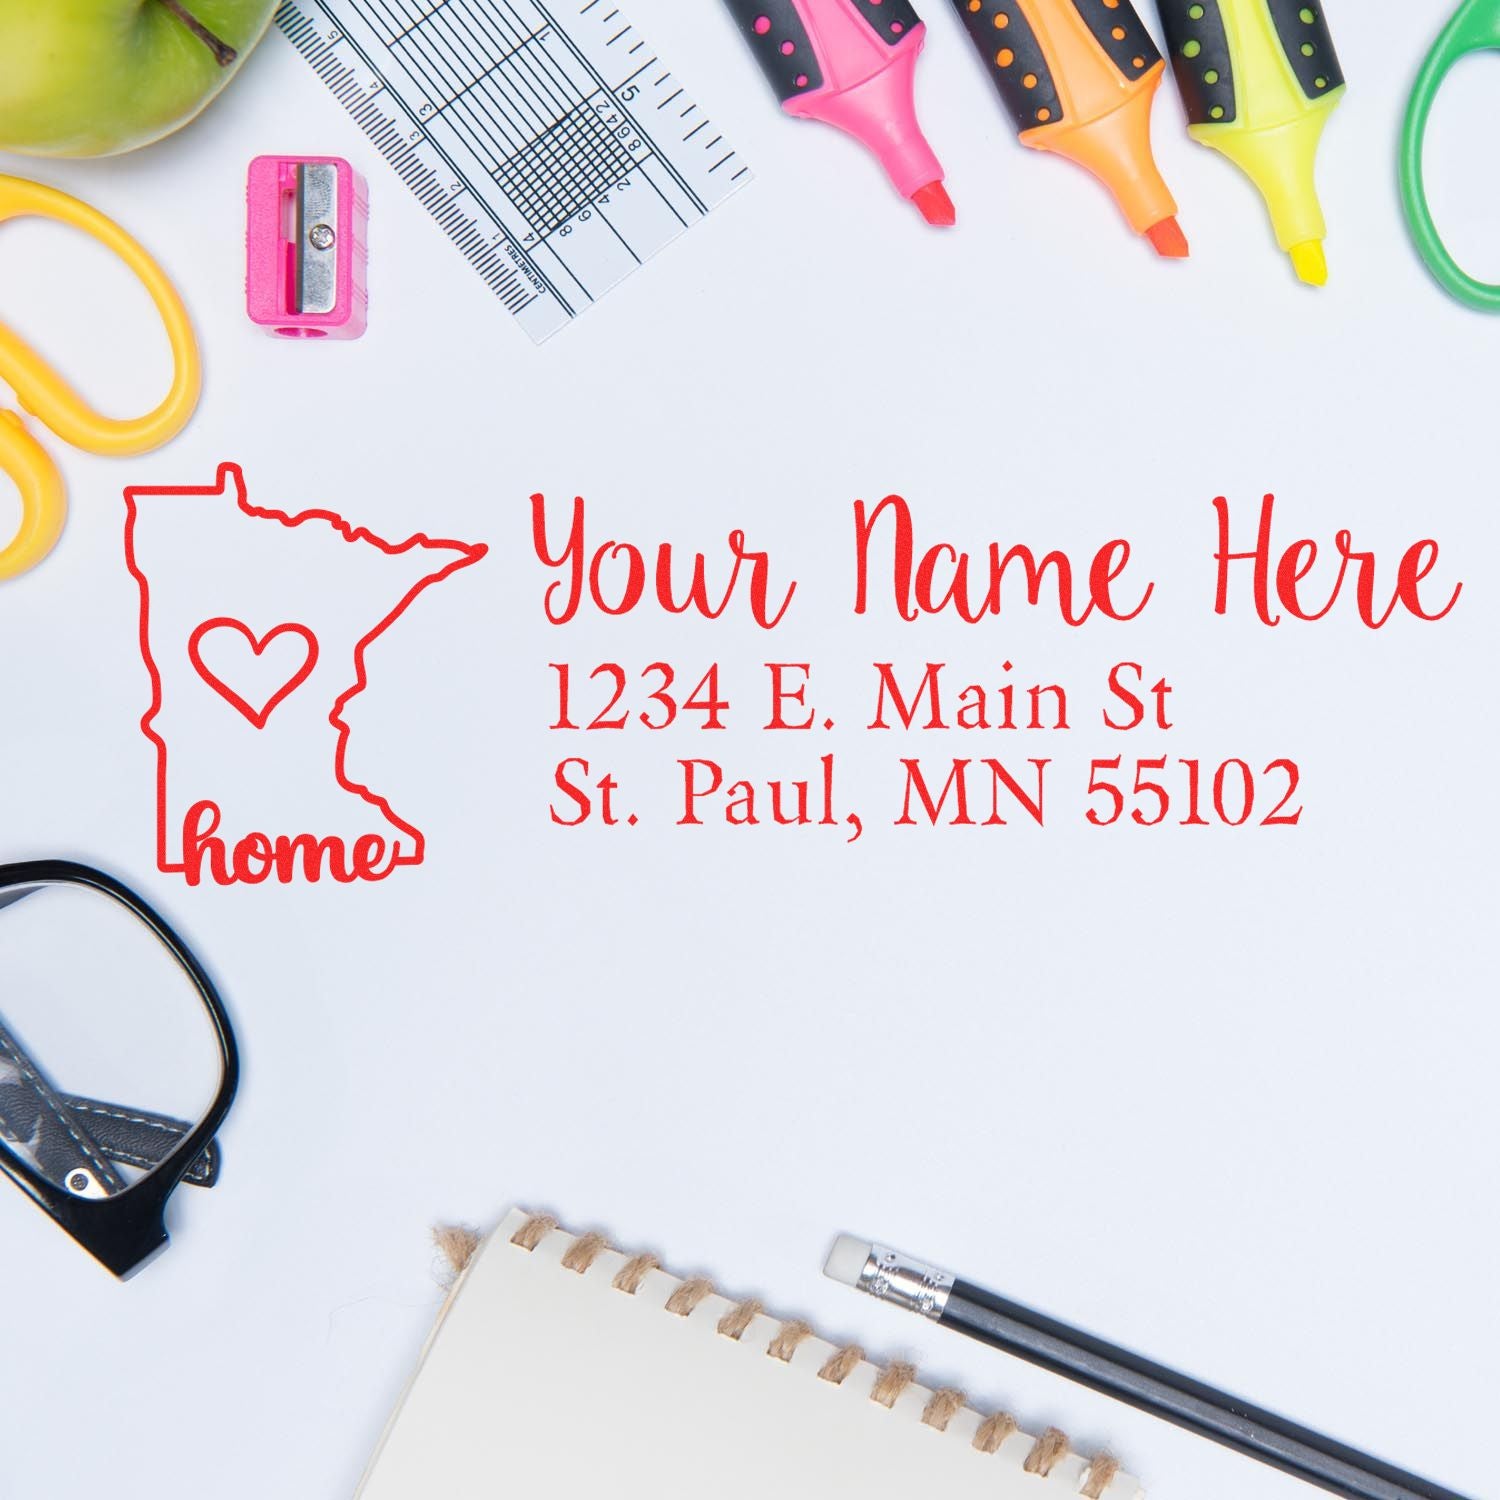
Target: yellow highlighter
1259 79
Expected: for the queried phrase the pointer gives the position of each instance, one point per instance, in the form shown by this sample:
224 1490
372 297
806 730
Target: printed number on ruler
558 155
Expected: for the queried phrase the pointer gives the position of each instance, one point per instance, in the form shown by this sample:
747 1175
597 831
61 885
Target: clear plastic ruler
549 141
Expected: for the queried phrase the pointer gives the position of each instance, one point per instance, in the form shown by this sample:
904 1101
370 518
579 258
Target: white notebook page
540 1378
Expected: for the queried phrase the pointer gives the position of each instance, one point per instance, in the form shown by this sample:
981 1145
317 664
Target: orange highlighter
1078 78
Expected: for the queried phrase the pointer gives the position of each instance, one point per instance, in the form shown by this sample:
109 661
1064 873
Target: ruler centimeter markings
557 154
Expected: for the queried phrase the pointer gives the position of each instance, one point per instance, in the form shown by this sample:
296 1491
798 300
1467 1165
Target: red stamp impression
258 648
255 624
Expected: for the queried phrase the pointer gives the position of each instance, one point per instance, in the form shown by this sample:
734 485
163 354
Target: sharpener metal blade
317 243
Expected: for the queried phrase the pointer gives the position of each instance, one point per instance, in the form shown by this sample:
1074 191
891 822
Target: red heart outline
258 717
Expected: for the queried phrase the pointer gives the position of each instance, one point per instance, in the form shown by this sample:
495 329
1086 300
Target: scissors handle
44 393
1475 27
44 497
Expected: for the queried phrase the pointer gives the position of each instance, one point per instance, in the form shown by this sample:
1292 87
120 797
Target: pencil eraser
847 1260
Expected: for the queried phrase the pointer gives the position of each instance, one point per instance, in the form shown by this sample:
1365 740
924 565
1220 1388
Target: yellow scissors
47 396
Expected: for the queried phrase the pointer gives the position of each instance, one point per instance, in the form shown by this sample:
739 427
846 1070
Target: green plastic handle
1474 28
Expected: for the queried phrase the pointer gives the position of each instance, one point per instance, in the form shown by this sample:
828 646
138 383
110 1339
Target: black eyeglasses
117 1060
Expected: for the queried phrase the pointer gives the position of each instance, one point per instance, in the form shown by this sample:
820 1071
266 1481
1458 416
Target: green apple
94 77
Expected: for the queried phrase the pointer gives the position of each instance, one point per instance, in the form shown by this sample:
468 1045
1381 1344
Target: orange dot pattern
1121 35
1003 35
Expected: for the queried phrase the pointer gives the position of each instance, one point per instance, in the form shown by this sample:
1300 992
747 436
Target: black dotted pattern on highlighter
1199 50
1122 34
780 43
1308 45
1014 59
890 19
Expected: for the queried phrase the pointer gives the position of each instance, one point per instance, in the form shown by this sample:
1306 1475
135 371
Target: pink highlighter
305 247
852 63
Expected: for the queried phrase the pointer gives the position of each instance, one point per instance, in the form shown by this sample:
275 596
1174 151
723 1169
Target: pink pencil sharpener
305 247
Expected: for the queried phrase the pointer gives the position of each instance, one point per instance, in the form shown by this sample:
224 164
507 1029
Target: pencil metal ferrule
890 1276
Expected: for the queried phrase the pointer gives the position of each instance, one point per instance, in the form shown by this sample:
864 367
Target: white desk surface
1225 1096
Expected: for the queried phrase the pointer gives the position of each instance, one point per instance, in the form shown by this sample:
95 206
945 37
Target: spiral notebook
561 1366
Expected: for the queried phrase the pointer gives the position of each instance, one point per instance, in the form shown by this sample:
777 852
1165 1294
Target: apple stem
224 54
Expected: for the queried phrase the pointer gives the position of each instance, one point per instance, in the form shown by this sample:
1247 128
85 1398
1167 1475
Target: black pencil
961 1305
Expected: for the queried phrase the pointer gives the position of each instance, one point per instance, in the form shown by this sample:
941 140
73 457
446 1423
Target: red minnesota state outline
229 474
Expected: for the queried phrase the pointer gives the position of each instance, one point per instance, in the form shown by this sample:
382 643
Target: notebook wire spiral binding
747 1322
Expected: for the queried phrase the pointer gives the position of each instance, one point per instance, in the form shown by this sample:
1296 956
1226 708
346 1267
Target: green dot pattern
1199 49
1308 45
